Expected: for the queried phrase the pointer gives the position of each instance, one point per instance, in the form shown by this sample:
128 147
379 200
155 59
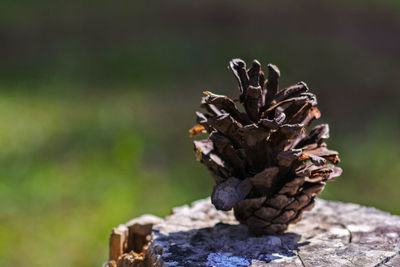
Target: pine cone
265 164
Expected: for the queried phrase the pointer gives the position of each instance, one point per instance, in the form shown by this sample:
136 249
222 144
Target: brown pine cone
265 164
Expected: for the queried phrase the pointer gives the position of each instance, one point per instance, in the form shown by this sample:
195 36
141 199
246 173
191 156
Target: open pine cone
265 164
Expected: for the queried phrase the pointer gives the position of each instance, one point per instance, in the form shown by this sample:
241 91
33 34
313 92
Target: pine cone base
265 164
262 218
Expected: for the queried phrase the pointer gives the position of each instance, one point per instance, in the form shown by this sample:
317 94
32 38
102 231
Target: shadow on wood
230 245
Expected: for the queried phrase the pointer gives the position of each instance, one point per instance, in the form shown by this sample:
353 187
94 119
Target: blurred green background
96 98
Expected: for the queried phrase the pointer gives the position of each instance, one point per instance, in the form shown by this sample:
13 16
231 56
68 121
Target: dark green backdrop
96 98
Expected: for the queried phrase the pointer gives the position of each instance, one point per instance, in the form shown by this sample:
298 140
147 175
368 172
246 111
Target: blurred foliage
96 100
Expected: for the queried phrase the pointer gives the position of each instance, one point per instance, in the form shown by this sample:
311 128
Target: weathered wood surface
332 234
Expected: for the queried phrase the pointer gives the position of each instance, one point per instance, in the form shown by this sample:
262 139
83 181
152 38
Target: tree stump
332 234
